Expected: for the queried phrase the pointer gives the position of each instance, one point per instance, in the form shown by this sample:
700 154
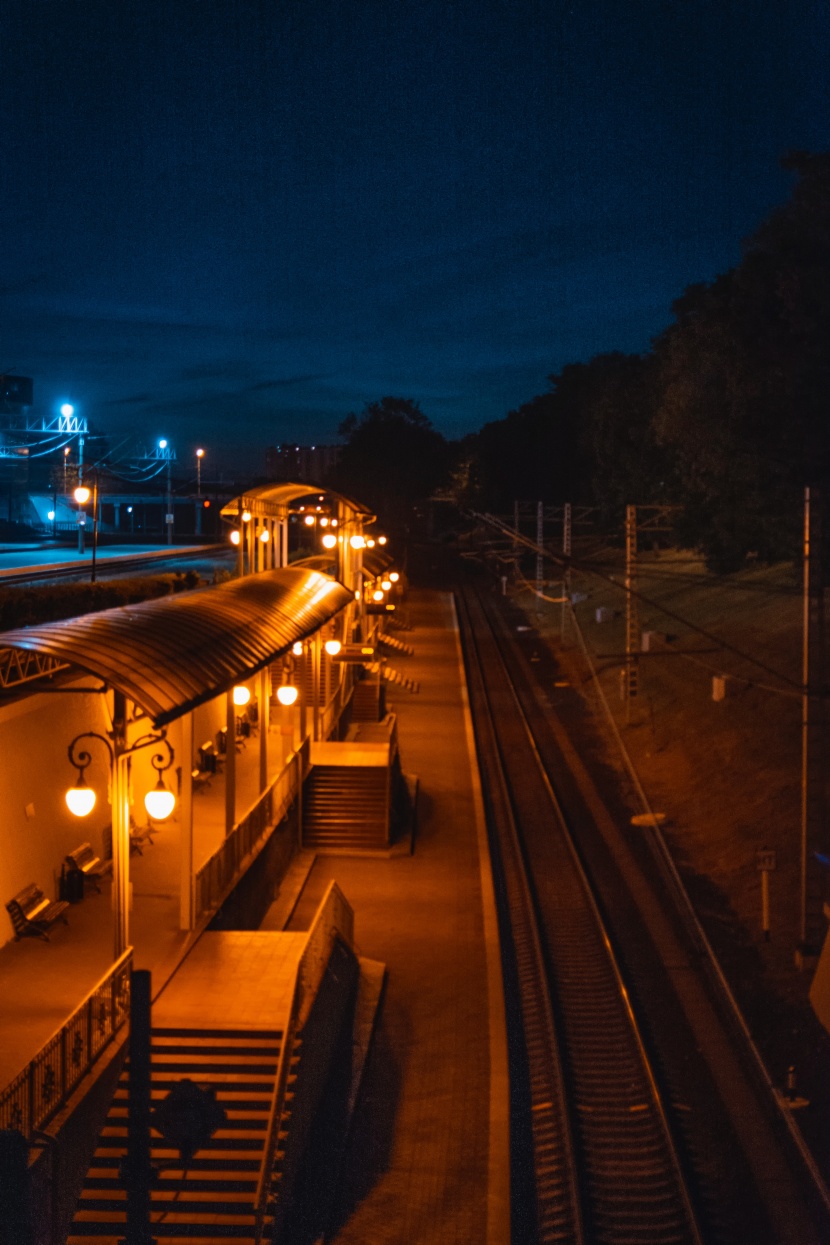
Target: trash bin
74 886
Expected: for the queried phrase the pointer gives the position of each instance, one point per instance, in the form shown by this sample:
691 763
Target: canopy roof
172 654
277 499
376 561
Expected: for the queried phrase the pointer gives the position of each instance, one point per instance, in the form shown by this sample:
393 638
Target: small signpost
765 863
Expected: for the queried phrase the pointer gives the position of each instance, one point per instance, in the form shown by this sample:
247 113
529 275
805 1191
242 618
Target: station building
156 760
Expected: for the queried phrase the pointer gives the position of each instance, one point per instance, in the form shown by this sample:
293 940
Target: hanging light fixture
241 694
287 694
332 647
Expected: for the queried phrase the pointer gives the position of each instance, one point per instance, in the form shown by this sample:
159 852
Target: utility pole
632 621
813 778
566 574
540 542
81 515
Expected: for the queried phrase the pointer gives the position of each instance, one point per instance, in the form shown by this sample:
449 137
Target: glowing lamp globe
381 540
265 536
309 520
332 647
377 595
324 521
159 802
246 516
287 694
329 541
80 799
370 543
241 694
394 576
82 494
297 648
235 538
386 584
357 542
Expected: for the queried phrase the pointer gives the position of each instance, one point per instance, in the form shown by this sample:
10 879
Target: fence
215 879
45 1085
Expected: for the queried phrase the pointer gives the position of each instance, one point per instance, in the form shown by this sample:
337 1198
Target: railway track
112 567
623 1134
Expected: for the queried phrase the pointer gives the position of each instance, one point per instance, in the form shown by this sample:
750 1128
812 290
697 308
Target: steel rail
632 1184
115 566
558 1203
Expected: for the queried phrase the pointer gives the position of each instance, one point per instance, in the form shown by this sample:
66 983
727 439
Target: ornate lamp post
159 802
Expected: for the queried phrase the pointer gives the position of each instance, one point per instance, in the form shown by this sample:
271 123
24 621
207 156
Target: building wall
37 829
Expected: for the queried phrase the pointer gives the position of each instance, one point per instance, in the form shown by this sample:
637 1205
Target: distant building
301 462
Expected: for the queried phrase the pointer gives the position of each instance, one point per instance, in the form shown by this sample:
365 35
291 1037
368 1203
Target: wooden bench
32 913
84 861
207 766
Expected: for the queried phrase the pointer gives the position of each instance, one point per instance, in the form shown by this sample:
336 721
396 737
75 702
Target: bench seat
33 914
84 861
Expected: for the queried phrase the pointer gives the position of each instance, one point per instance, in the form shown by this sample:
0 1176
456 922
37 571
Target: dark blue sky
231 222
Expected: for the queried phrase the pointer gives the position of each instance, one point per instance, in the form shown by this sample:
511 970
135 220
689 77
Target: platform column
186 824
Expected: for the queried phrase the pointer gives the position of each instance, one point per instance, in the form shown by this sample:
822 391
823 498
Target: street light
82 495
199 456
159 800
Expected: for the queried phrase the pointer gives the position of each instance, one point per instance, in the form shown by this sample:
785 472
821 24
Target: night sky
232 222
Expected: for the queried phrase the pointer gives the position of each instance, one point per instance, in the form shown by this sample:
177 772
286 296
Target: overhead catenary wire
589 569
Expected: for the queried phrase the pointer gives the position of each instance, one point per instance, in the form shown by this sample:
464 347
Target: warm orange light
265 536
394 576
287 694
357 542
235 537
381 540
329 541
80 799
370 543
246 516
332 647
377 595
297 648
241 694
82 494
386 584
309 520
324 521
159 802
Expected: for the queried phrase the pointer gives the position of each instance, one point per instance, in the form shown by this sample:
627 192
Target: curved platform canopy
279 500
376 561
174 653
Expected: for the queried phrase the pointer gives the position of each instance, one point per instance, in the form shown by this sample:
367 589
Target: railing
216 877
334 918
45 1085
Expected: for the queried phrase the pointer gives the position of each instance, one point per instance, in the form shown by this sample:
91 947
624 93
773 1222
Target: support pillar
264 717
186 915
120 784
230 764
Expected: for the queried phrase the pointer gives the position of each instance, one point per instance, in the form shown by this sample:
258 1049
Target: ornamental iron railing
45 1085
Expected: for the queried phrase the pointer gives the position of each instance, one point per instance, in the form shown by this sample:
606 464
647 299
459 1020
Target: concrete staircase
212 1202
346 807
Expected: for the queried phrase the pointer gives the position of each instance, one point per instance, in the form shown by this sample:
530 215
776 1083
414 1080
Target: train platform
428 1157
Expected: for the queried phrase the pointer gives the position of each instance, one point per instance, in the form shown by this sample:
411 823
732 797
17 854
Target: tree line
725 416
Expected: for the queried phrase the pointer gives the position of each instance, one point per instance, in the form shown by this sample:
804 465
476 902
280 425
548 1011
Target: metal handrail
334 918
215 879
44 1086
